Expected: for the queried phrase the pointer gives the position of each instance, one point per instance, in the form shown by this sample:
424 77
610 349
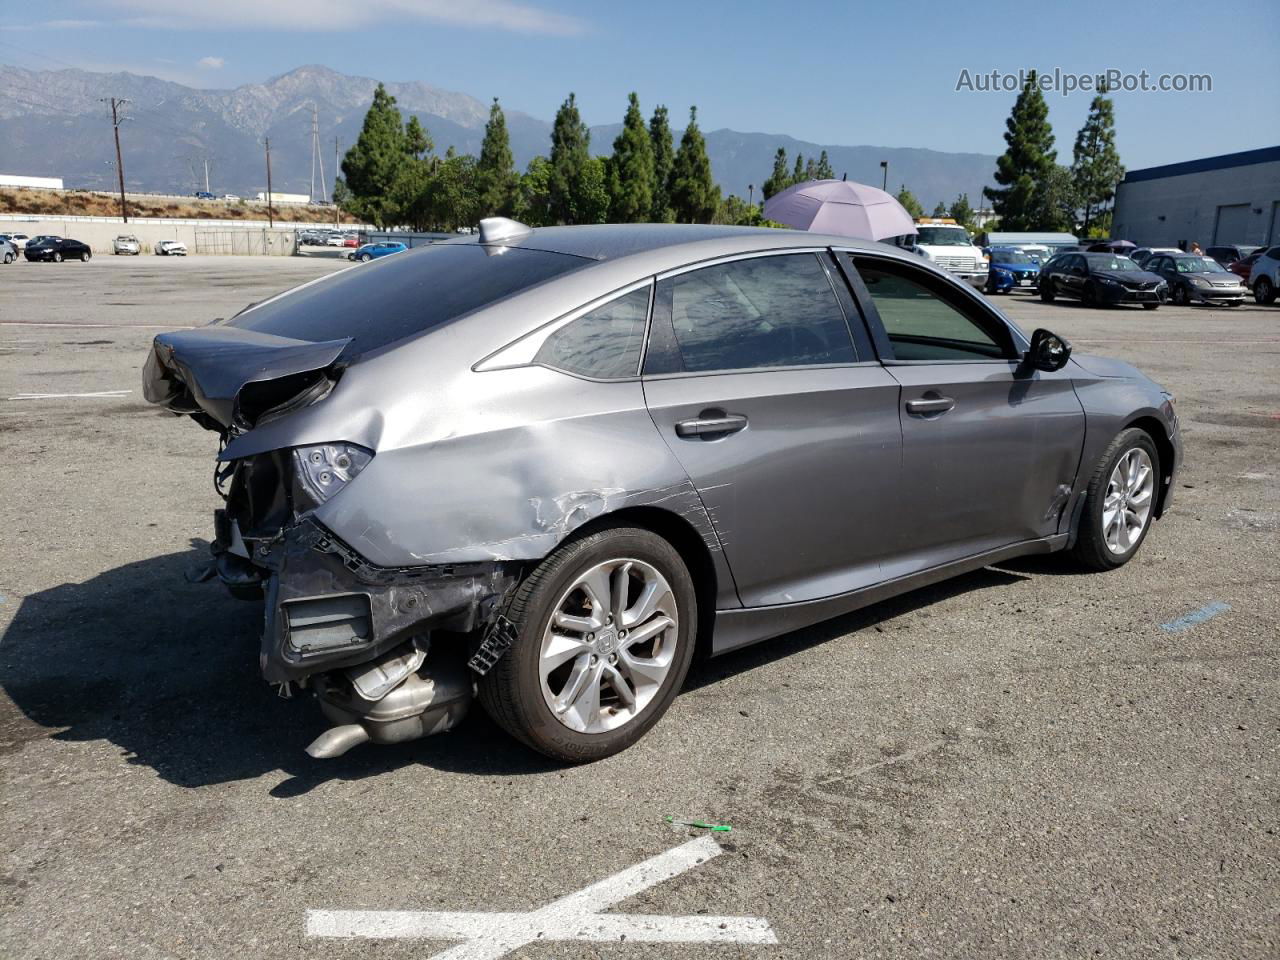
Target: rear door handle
710 427
932 405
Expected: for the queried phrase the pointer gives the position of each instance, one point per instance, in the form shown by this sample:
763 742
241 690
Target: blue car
1010 269
372 251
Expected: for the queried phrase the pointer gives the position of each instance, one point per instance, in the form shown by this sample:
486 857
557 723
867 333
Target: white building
36 183
1234 198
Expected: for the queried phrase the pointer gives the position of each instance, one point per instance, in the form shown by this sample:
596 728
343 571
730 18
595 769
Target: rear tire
1089 296
1119 503
365 258
1046 292
1151 306
530 692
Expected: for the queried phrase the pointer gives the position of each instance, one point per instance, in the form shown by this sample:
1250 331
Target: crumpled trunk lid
228 378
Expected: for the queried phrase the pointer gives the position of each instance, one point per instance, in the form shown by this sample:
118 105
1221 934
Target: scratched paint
1195 617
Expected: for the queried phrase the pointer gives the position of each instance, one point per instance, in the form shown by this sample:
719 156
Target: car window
925 320
777 311
427 288
1273 253
603 344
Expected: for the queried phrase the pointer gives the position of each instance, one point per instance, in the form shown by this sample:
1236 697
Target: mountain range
55 123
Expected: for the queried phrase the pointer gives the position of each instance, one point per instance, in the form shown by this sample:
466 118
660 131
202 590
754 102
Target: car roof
675 244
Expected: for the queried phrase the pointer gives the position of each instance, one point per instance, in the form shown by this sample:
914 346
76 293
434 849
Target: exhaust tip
336 741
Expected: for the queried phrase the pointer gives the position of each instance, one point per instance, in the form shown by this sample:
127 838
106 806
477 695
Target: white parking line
60 396
577 916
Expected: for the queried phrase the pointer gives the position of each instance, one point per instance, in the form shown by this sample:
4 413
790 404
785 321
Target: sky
850 73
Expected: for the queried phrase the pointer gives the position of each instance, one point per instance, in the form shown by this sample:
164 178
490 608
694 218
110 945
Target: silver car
546 465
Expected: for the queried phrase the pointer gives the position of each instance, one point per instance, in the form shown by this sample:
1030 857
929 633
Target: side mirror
1048 351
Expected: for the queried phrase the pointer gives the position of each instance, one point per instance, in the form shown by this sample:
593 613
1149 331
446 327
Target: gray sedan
1193 278
546 465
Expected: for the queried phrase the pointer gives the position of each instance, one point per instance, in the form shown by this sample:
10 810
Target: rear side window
378 304
603 344
777 311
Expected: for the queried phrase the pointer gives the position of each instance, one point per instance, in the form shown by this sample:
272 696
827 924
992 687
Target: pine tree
570 151
960 211
1096 167
631 169
1027 163
417 142
778 180
823 170
372 166
797 172
498 180
694 193
909 202
664 153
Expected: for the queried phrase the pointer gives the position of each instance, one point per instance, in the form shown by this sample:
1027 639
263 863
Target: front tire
1046 292
1263 291
1119 502
1181 296
1151 306
57 258
605 631
365 258
84 257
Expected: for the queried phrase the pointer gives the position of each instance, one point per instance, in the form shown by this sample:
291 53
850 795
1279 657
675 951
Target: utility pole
315 148
271 219
884 184
116 119
336 168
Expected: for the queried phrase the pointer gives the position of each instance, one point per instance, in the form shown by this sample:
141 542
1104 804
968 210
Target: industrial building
1234 198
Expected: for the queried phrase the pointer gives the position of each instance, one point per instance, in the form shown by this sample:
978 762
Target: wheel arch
689 543
1164 446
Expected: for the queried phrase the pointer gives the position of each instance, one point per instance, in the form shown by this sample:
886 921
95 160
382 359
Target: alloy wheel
1127 506
608 645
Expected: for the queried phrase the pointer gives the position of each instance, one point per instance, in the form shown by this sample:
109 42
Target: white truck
948 245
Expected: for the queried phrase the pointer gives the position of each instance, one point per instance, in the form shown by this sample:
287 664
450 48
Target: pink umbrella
840 207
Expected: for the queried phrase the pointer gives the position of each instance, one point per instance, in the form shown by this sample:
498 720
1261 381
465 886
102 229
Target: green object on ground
717 827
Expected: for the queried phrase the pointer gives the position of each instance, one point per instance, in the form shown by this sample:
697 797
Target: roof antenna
503 230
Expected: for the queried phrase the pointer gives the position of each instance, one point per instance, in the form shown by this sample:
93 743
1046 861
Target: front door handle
710 427
932 405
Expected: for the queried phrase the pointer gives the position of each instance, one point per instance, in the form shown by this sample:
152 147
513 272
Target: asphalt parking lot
1020 762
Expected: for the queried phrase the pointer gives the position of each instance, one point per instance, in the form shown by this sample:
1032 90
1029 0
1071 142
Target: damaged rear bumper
326 607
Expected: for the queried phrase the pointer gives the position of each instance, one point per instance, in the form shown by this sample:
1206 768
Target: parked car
8 250
1193 278
1101 279
335 239
312 238
592 448
56 249
1011 268
372 251
19 240
205 195
126 244
351 240
1141 255
1243 268
171 248
1229 253
1264 277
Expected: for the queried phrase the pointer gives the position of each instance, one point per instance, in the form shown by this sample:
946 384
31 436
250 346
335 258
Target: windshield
1010 256
1105 261
1199 265
943 236
400 296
